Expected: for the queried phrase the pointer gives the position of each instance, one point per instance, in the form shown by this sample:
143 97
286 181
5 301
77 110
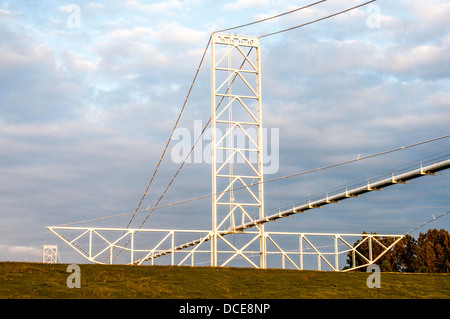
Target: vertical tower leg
213 159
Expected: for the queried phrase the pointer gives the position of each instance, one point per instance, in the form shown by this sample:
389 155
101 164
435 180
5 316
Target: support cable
191 150
270 18
168 142
274 179
427 222
317 20
171 134
186 158
195 77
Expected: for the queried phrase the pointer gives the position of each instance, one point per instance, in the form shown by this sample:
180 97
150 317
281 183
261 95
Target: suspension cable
317 20
171 134
272 17
427 222
195 77
192 148
276 179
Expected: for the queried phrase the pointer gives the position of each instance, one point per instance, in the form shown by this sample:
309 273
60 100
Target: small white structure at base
50 254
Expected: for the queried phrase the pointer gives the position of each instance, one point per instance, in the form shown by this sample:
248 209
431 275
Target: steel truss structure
236 113
50 254
238 194
98 249
99 245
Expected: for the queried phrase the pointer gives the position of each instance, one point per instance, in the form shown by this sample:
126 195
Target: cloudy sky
90 92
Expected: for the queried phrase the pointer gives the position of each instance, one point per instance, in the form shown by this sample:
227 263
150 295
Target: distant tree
429 253
404 255
433 251
386 266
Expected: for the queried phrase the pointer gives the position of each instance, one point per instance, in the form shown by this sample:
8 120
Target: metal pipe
395 179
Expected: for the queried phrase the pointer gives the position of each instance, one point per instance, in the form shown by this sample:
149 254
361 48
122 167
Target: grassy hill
36 280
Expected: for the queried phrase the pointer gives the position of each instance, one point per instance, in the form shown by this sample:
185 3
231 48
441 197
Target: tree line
429 253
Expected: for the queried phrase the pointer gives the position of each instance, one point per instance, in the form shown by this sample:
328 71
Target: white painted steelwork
237 187
186 253
236 110
370 185
50 254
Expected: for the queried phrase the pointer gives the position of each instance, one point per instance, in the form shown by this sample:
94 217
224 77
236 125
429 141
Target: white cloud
67 8
22 58
8 13
245 4
21 253
96 5
162 7
78 64
424 122
176 34
131 35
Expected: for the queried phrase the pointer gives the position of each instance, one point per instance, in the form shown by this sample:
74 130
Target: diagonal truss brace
186 253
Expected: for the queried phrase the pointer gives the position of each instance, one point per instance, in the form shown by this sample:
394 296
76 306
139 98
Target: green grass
36 280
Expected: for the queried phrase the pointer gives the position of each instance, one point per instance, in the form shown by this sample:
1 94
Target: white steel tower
50 254
236 139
